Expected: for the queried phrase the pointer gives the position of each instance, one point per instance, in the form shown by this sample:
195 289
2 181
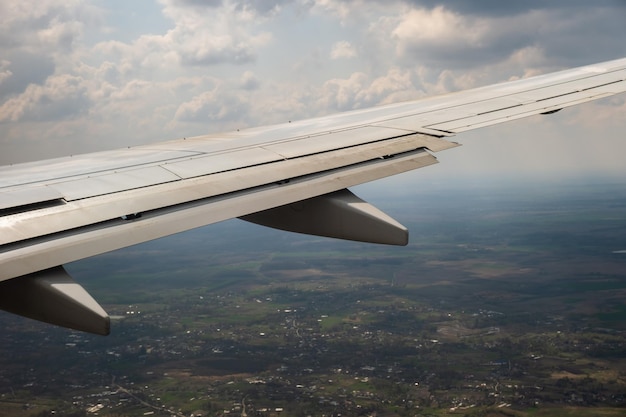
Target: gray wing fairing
52 296
340 215
292 176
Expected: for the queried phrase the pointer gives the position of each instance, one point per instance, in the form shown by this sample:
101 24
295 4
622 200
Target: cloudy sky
78 76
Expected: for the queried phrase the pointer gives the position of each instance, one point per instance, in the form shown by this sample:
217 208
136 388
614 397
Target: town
502 321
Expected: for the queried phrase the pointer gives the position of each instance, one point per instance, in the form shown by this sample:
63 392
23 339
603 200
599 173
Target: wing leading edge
291 177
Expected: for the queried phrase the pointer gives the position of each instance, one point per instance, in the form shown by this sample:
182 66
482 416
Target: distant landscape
508 301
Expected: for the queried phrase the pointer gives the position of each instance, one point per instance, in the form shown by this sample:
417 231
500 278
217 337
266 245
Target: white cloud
203 107
204 36
340 94
339 9
50 26
5 73
360 91
75 81
438 27
60 97
249 81
343 49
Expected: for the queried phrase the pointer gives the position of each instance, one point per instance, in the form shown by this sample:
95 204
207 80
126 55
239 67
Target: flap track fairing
339 214
52 296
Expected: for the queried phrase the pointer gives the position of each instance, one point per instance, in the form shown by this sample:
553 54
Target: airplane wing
292 176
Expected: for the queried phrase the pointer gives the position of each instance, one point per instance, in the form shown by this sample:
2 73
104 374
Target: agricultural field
509 301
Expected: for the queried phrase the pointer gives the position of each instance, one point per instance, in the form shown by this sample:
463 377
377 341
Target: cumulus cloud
447 39
53 28
69 76
424 31
225 33
339 9
510 8
249 81
60 97
40 43
455 34
251 6
5 72
26 68
343 49
361 91
214 105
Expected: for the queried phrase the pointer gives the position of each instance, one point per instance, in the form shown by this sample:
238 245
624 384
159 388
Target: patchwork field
507 302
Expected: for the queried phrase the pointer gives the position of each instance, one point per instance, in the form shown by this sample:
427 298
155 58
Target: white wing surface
292 176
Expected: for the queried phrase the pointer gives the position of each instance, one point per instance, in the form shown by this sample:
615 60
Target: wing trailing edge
96 225
340 215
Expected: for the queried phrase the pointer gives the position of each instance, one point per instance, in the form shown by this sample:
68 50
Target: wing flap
150 172
80 213
44 252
